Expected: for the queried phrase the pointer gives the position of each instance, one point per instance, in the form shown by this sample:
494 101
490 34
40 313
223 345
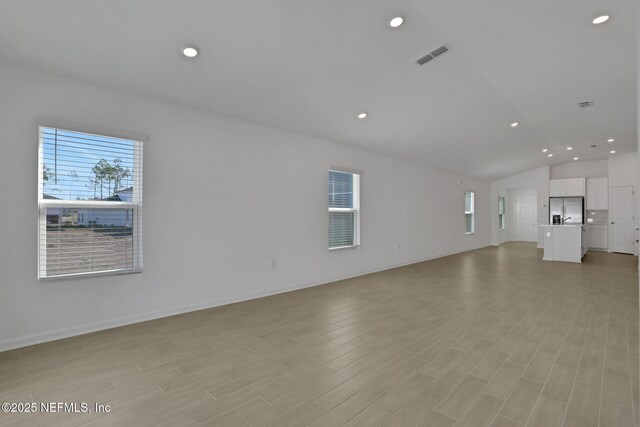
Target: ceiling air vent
431 55
585 104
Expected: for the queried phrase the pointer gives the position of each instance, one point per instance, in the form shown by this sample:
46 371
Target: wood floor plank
616 387
301 416
461 397
521 400
547 413
396 398
490 365
615 415
504 381
370 417
416 410
481 413
349 408
437 420
559 384
584 404
501 421
342 392
539 367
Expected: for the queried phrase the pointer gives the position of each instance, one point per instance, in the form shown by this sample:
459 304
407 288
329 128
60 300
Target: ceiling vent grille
585 104
432 55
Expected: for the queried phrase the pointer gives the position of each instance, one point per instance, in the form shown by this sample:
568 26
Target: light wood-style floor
493 337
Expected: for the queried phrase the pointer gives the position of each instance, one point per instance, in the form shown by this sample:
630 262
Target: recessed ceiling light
612 152
190 51
611 140
396 22
544 150
362 115
576 158
569 148
550 155
600 19
514 124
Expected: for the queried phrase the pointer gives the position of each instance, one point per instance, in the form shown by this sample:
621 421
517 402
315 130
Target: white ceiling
310 66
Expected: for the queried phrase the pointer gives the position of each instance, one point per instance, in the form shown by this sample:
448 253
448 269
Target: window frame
136 206
472 212
502 217
356 209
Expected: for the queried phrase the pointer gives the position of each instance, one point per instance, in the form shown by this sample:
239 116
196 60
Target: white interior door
623 230
526 220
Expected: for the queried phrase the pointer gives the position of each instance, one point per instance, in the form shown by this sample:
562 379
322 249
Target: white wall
538 179
623 170
586 169
222 197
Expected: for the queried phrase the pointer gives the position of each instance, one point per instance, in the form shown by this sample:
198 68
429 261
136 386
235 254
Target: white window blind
90 204
344 209
501 213
469 212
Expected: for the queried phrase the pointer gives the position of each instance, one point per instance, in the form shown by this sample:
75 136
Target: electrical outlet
272 263
398 247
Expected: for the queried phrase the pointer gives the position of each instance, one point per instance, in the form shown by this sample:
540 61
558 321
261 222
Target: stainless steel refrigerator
569 209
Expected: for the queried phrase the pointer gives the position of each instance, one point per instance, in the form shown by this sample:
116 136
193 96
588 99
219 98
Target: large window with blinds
501 214
90 204
344 209
469 212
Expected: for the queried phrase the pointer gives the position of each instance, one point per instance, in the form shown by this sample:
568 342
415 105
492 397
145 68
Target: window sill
469 234
88 275
340 248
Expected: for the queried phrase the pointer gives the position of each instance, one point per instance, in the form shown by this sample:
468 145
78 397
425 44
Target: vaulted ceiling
311 66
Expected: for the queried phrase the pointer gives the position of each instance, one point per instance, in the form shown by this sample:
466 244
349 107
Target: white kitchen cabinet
592 194
573 187
597 194
603 194
557 188
597 237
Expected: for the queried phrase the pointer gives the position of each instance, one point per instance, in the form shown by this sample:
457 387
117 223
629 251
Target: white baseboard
58 334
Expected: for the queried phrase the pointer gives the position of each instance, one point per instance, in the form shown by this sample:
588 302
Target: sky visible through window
80 166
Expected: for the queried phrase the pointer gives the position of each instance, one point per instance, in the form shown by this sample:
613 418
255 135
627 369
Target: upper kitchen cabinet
597 194
574 187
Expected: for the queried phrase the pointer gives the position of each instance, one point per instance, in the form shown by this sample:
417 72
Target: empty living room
319 213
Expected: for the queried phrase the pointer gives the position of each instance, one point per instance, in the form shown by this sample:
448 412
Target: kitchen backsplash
597 217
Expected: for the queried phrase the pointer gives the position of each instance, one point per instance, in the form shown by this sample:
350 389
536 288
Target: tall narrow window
344 209
501 213
90 204
469 212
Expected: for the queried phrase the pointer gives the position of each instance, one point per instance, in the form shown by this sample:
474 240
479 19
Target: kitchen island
564 242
